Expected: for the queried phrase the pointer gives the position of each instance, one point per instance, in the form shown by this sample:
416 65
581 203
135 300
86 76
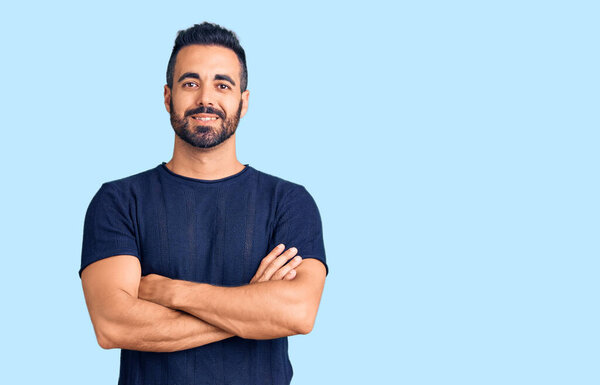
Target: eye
223 86
189 85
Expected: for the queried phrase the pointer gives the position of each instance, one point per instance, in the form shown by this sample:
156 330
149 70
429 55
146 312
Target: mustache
205 110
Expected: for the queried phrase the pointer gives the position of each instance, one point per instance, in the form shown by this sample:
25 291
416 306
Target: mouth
205 117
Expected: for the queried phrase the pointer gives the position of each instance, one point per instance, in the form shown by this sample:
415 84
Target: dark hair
208 34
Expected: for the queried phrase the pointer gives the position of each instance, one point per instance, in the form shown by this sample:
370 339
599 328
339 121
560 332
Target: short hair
208 34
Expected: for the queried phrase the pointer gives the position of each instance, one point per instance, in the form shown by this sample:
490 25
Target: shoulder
131 183
139 179
126 189
285 194
282 188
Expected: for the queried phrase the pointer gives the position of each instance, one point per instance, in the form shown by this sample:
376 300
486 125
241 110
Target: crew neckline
164 167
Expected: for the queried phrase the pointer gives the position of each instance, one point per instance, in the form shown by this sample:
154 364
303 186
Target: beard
204 136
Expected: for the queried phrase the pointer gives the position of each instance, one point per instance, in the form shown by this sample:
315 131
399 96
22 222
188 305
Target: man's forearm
142 325
263 310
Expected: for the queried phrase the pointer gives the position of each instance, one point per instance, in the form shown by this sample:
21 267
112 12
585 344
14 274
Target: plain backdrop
452 149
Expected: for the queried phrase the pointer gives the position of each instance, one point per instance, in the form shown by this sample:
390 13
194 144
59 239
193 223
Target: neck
205 163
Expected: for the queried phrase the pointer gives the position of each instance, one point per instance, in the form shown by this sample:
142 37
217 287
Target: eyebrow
194 75
226 78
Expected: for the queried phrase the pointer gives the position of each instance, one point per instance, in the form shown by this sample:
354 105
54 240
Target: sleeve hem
320 259
108 255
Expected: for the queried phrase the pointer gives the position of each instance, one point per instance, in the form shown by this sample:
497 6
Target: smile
204 119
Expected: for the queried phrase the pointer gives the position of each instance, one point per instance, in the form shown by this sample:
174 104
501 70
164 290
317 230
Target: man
199 268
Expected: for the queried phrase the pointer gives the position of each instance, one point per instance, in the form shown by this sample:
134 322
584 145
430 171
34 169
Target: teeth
205 119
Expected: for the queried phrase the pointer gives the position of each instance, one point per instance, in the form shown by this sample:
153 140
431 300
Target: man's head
208 34
206 91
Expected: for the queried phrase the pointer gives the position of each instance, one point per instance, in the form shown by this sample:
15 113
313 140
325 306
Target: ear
245 96
168 98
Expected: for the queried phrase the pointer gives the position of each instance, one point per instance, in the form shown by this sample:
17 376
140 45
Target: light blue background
452 148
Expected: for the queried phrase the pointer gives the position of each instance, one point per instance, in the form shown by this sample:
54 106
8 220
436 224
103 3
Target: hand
155 288
272 266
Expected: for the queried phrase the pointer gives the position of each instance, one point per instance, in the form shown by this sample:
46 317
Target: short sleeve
298 224
108 228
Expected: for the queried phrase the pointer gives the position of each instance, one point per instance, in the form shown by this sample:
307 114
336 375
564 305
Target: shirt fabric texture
209 231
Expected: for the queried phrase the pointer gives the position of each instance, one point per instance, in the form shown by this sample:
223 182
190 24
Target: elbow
105 335
305 320
304 327
104 341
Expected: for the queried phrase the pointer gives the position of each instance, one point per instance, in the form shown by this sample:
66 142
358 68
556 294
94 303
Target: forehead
207 60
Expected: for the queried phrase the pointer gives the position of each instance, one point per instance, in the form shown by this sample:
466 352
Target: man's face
205 102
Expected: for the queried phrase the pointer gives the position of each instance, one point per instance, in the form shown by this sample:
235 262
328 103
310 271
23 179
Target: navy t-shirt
209 231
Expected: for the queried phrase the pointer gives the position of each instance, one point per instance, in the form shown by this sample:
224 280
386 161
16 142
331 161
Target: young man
199 268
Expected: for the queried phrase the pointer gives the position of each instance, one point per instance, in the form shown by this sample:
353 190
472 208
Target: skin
189 93
267 308
156 313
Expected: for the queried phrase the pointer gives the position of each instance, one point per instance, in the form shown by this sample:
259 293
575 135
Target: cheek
180 105
232 107
181 100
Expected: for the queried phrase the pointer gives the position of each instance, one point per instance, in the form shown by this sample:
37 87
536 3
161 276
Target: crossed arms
159 314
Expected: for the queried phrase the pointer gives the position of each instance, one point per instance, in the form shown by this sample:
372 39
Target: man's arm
122 320
261 310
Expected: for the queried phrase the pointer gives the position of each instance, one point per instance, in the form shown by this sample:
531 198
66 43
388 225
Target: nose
205 97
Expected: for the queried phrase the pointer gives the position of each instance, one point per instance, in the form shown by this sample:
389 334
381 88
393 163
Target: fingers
278 263
290 266
289 276
274 267
267 260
